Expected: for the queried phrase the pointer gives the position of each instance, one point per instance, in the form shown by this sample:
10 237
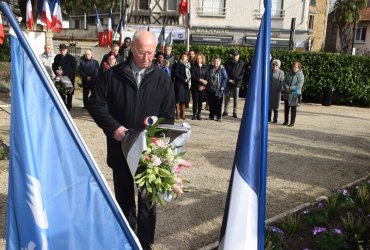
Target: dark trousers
215 105
197 97
86 91
286 112
125 196
276 114
67 99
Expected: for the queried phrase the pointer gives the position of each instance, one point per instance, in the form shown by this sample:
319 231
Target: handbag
293 100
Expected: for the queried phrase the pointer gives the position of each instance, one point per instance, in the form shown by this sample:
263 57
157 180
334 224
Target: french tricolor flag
110 29
46 15
56 23
121 31
1 31
101 38
29 15
244 217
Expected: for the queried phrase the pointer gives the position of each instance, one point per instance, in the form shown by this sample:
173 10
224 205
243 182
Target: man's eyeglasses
275 65
142 54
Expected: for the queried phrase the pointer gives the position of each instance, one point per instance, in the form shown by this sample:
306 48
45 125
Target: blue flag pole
264 133
244 216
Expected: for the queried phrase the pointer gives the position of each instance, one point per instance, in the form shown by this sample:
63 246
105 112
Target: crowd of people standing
193 79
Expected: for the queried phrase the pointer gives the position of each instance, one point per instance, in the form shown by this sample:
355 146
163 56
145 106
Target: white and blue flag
57 197
244 217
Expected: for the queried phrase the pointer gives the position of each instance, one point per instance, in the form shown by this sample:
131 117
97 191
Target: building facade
222 22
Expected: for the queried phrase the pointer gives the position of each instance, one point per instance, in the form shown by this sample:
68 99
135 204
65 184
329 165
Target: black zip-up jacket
235 71
118 101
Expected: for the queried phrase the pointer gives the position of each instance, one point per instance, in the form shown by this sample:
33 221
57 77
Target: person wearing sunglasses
124 96
276 84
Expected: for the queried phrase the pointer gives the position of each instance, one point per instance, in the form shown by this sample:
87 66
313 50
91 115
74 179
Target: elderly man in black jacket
65 65
89 69
124 96
235 70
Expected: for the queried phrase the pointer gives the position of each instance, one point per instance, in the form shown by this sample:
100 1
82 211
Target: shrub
347 74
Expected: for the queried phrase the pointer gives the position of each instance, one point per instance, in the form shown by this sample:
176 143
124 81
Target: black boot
193 117
286 113
199 117
293 115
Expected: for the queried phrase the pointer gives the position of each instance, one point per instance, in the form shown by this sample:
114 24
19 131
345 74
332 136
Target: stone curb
291 211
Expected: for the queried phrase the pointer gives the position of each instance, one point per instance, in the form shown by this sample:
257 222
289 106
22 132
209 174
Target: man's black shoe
235 115
225 114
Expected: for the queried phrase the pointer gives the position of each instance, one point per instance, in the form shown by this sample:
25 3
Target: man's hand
120 133
231 81
88 78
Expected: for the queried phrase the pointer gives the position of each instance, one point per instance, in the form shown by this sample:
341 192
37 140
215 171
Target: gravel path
329 147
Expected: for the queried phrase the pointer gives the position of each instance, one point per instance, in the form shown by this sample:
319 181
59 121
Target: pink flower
154 140
182 164
147 158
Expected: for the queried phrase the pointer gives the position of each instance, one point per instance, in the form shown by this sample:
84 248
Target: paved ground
328 147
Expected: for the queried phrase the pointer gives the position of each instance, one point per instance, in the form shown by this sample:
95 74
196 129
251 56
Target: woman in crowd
292 86
109 63
161 63
276 84
199 76
216 84
182 77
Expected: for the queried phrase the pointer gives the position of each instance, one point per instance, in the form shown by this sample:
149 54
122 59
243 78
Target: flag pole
264 132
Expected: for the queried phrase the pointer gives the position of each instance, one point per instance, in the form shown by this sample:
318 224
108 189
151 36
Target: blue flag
57 197
244 218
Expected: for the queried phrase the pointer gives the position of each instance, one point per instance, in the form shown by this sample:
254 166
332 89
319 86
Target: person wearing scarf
217 81
182 84
293 83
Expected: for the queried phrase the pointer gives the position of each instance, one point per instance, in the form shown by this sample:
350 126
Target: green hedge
348 75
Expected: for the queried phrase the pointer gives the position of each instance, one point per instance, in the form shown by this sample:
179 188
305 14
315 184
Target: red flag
56 20
1 31
29 15
184 7
110 30
101 38
46 15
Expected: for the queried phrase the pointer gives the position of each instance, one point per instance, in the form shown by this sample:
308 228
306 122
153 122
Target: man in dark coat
89 69
115 51
124 96
65 65
235 70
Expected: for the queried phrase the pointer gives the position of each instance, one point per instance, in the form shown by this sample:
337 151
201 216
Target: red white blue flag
101 37
243 223
29 15
46 15
56 23
110 30
1 31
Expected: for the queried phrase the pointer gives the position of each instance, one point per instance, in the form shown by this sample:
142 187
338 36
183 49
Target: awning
274 42
209 39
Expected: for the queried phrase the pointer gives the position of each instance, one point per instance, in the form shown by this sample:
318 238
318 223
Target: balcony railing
275 13
211 11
